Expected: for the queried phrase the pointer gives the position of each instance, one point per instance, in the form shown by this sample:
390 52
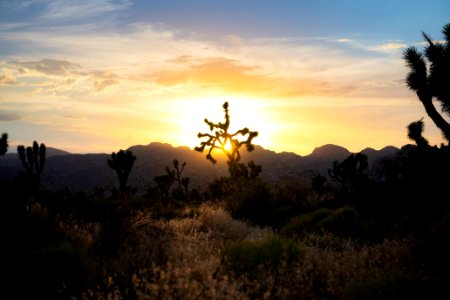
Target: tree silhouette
4 144
174 175
220 137
33 160
350 173
415 130
429 77
122 163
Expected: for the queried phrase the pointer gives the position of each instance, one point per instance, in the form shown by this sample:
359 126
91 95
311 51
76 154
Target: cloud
103 79
214 72
425 43
343 40
390 46
57 77
8 117
7 77
48 67
76 10
233 40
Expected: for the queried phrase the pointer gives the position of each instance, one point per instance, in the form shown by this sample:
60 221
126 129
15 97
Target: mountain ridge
84 172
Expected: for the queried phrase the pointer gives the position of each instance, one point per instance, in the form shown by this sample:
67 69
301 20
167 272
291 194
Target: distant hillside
83 172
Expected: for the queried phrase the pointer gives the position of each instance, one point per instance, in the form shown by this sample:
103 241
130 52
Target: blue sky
95 76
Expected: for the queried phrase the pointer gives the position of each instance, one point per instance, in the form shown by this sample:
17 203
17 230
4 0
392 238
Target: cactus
220 136
122 163
3 144
33 160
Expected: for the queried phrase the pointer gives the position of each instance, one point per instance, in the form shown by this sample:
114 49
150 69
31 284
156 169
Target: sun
227 146
244 112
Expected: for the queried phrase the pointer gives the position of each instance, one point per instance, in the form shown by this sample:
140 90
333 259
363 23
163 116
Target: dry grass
183 259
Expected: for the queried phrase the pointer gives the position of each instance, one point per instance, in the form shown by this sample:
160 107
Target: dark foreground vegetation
348 234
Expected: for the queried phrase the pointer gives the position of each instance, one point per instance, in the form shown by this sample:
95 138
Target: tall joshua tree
220 137
3 144
429 77
33 160
122 163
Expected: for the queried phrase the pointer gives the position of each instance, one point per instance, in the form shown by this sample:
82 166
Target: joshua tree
415 130
351 171
4 144
174 175
122 163
429 77
33 160
220 137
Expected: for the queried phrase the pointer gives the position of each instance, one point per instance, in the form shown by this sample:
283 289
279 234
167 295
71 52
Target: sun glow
227 146
244 112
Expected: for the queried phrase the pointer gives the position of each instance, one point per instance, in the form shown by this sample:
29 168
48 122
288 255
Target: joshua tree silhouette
4 144
122 163
33 160
429 77
415 130
351 171
220 136
174 175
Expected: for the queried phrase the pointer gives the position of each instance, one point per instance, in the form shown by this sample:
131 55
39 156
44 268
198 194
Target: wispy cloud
48 67
343 40
76 10
8 117
390 46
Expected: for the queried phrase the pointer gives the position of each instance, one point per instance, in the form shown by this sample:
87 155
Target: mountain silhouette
84 172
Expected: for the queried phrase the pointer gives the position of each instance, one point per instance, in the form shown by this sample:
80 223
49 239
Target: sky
99 75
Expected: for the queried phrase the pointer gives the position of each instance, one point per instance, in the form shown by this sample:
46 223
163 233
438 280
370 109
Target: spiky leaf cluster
415 130
219 136
122 163
429 76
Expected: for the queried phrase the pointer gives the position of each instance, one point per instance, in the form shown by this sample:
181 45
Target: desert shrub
306 221
332 267
254 256
280 216
344 221
299 195
250 200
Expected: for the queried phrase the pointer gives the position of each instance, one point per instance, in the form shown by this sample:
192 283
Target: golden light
244 112
227 146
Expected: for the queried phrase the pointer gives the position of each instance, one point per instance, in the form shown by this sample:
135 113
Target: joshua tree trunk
437 118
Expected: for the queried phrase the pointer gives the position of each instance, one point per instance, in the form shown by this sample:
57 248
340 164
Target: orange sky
94 86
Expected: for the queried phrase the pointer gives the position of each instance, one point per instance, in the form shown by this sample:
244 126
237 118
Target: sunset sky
99 75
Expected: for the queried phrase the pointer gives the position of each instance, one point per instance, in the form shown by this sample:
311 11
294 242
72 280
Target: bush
250 200
252 257
344 221
306 221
